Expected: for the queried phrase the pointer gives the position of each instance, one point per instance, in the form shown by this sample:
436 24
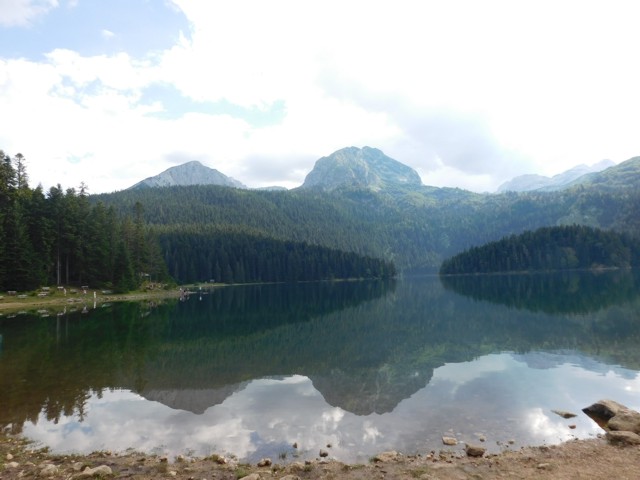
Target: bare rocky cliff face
360 167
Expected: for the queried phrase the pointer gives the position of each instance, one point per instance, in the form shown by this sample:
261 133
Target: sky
470 94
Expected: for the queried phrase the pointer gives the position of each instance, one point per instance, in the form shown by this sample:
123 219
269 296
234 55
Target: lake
361 366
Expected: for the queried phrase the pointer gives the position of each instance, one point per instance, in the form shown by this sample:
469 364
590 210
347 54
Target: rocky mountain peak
360 167
190 173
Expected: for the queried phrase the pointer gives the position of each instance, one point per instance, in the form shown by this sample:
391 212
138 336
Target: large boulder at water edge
616 418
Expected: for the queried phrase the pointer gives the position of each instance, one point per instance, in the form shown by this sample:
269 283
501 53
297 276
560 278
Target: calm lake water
363 366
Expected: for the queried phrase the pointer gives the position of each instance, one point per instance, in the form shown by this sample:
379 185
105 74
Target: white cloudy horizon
469 94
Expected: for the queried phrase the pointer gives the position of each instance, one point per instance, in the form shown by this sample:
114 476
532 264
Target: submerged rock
564 414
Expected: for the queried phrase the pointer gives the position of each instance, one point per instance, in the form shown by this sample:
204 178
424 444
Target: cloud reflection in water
501 396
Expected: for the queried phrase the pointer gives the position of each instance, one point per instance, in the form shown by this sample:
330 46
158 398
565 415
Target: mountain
360 167
190 173
529 182
625 175
384 213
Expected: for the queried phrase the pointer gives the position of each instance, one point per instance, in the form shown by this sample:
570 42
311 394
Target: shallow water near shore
361 366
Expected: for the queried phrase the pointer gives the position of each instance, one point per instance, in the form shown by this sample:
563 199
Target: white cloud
23 12
468 94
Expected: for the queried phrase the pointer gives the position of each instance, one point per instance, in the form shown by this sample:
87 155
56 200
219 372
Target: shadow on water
365 346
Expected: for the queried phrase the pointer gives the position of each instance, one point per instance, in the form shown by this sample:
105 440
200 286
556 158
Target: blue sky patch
97 27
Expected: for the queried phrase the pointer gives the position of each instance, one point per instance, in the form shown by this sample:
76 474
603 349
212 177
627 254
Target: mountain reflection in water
365 366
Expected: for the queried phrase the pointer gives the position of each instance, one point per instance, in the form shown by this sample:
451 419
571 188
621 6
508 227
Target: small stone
172 473
9 457
482 438
180 458
12 465
295 445
49 471
572 426
385 457
328 445
251 476
474 450
100 471
449 441
511 442
164 459
324 453
543 466
77 466
264 462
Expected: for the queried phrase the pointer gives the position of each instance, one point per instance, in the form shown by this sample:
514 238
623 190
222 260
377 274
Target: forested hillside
549 248
414 227
207 253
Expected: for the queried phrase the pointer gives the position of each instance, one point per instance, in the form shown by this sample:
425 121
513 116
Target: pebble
13 465
9 457
49 471
324 453
449 441
252 476
264 462
100 471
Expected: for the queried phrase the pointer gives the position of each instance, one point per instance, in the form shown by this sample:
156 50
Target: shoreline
592 458
31 303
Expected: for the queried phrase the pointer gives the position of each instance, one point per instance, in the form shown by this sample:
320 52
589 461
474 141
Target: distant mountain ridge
190 173
360 167
530 182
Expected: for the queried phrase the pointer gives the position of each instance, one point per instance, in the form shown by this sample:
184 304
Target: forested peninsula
547 249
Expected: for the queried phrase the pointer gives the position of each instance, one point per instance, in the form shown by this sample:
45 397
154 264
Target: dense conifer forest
60 237
549 248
